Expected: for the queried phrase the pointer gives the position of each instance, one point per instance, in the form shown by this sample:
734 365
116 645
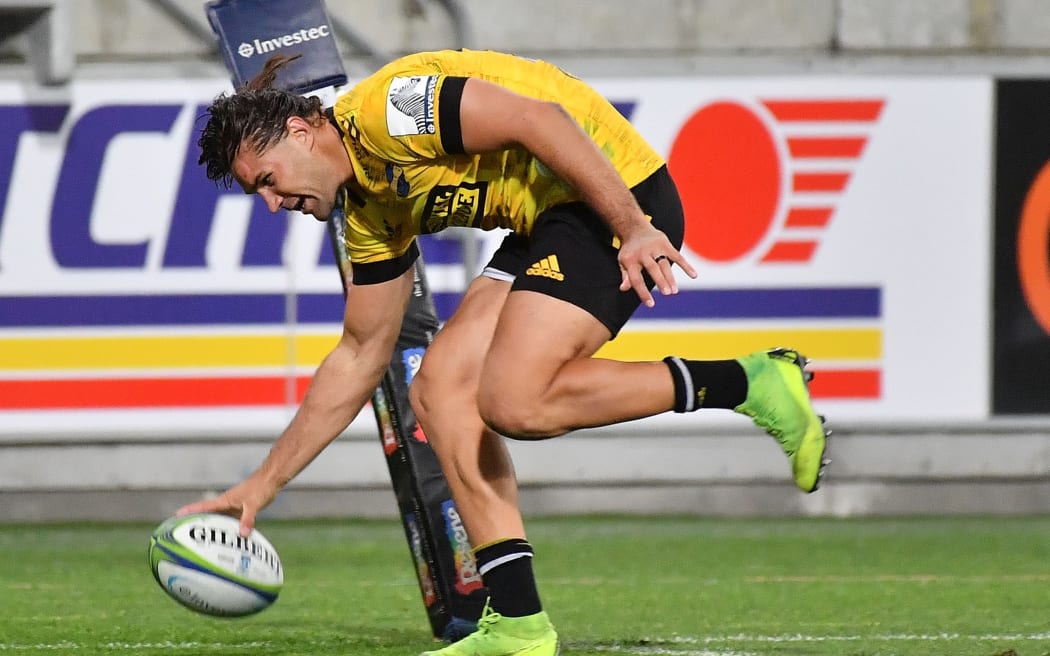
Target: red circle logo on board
761 181
1033 248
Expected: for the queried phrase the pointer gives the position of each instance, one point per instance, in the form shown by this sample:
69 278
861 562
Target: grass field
613 585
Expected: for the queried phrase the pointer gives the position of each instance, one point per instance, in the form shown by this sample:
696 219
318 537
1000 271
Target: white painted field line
890 637
664 651
132 646
921 579
66 647
706 645
670 646
903 578
830 578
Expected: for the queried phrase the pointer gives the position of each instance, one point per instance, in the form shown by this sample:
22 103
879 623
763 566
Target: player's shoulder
413 80
418 64
374 88
458 63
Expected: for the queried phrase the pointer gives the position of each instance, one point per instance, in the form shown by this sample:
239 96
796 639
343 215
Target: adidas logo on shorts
547 267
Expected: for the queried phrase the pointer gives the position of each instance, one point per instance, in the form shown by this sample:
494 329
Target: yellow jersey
401 129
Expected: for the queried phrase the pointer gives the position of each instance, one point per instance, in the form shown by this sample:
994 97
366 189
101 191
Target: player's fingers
247 521
680 260
660 272
640 287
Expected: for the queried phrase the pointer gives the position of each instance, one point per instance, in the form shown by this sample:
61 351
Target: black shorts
570 254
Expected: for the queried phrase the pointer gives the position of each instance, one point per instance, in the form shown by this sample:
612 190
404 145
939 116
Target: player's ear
297 127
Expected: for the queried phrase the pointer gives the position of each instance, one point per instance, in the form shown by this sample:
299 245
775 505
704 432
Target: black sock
506 569
707 383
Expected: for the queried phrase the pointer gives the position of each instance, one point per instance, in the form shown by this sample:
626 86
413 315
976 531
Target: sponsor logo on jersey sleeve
410 105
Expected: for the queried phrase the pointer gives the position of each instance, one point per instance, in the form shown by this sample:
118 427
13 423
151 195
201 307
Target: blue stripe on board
165 310
802 303
770 303
229 309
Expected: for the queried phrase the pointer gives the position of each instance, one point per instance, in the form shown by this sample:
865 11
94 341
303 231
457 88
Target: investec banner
846 217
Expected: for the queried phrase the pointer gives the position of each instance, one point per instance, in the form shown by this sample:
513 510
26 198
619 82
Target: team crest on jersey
395 176
410 105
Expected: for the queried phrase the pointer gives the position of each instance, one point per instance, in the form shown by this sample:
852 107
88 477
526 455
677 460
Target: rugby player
489 140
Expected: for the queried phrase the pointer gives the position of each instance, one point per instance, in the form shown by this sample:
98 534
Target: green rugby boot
497 635
778 401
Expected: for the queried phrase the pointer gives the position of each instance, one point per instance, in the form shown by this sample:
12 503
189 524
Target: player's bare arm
342 385
495 118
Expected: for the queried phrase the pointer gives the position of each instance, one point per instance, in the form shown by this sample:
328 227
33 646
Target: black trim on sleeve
448 115
372 273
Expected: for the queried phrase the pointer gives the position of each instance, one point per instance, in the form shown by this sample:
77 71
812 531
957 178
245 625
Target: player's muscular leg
444 397
540 381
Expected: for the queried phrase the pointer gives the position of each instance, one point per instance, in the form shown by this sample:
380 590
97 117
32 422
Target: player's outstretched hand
649 250
243 500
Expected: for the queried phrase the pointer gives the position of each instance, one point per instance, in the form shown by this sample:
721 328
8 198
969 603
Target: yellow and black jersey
401 128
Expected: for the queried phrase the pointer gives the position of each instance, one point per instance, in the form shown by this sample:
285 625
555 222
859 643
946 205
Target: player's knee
421 392
516 416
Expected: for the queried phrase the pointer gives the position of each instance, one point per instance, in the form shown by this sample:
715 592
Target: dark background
1021 349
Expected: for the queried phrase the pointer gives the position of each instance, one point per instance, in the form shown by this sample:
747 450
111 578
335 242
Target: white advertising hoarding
846 216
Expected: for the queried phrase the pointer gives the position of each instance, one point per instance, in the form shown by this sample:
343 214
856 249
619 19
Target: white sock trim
690 394
502 560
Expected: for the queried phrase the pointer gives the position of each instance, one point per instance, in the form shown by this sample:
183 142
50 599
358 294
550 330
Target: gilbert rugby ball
203 563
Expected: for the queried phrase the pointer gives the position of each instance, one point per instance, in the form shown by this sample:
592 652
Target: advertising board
1021 369
847 217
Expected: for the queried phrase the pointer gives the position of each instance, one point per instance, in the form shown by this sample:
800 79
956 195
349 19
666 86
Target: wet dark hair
253 116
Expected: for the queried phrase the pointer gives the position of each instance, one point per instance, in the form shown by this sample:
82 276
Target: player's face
290 175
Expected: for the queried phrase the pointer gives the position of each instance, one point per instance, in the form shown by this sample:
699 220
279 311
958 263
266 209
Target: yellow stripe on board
163 351
815 343
196 351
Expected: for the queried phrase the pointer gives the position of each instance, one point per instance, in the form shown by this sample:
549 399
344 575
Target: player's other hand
648 250
243 501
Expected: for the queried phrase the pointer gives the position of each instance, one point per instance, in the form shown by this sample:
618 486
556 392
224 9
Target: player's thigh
536 335
565 301
452 363
564 304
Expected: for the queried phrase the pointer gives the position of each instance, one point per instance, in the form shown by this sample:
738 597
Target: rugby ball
203 563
